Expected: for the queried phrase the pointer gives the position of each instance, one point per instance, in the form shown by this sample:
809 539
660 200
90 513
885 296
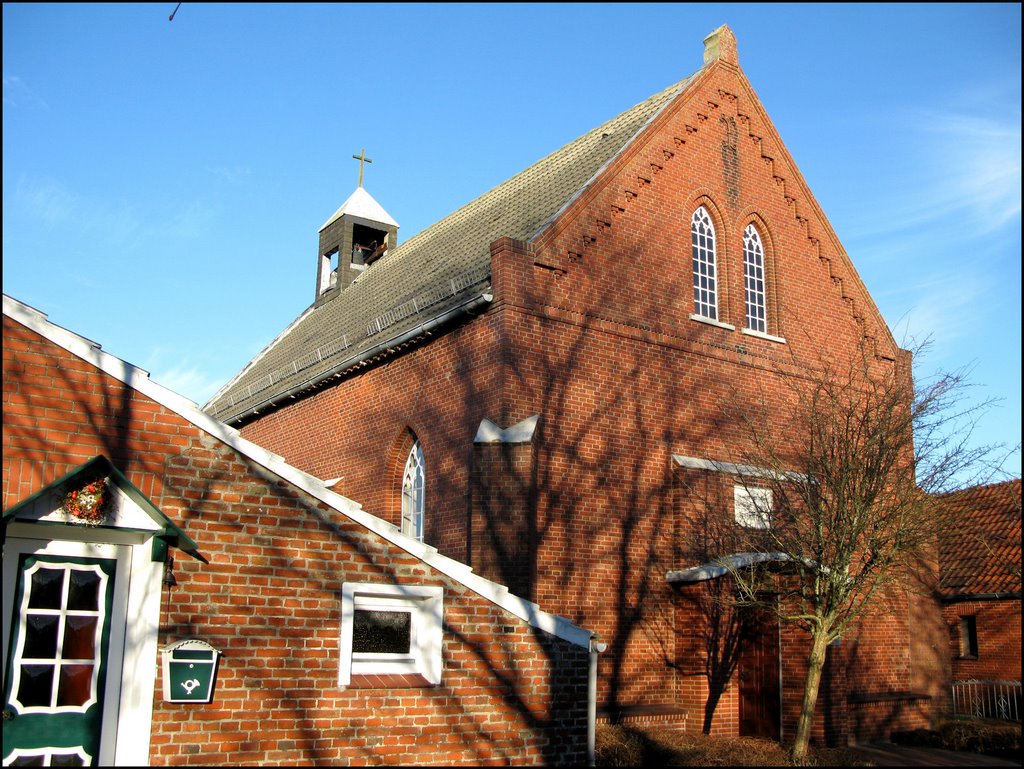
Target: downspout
596 647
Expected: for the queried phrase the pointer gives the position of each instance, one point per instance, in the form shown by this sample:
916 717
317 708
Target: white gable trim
139 380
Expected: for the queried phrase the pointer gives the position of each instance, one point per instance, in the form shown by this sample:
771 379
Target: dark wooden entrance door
759 690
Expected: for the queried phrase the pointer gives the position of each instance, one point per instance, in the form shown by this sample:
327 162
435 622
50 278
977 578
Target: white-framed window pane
57 658
702 235
391 629
379 632
413 496
754 280
753 506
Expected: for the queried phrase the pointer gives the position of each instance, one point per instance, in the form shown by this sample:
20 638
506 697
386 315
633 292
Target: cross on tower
361 157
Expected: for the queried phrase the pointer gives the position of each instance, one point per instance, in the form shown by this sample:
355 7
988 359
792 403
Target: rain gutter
466 308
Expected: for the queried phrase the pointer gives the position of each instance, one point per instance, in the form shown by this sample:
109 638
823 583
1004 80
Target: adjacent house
980 585
174 594
536 384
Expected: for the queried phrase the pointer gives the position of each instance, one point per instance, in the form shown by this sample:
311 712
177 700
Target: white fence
987 699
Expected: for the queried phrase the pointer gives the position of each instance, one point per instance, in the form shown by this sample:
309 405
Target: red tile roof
979 552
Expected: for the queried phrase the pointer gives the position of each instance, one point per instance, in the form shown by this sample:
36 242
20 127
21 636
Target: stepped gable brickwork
590 327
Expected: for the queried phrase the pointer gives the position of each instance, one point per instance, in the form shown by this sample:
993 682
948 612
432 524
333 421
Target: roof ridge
455 247
679 85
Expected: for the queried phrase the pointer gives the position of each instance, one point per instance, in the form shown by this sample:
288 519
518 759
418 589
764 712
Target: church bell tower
357 235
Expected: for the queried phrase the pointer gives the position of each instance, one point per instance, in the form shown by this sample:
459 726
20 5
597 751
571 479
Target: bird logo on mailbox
190 671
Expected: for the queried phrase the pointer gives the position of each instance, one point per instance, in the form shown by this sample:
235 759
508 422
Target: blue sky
164 181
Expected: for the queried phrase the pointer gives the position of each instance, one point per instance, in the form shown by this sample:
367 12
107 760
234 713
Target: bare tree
840 490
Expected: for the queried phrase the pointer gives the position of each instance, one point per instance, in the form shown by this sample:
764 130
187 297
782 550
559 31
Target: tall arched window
413 497
753 279
705 294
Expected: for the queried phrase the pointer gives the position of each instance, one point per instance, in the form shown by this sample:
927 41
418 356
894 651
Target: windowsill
762 335
712 322
389 681
968 658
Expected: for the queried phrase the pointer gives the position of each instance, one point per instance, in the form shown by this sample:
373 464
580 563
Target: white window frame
425 603
755 282
128 698
705 275
48 754
62 615
752 506
414 493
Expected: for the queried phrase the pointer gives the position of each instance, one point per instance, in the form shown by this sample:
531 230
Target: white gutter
467 307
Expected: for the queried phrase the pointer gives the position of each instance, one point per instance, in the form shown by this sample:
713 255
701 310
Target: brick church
533 384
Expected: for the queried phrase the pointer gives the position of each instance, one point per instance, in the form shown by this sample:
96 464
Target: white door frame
132 653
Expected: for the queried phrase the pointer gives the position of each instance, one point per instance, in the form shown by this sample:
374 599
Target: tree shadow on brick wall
269 596
260 541
56 436
581 518
722 626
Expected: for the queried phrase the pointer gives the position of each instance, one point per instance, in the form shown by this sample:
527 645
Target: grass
623 746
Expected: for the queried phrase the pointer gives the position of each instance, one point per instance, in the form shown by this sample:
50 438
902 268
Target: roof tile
433 272
979 552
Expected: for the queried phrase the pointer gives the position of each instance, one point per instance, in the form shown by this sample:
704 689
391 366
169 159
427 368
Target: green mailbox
190 671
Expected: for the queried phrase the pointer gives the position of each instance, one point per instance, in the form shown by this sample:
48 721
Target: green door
57 660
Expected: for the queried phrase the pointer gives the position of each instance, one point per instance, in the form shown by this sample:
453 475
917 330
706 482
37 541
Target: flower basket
88 505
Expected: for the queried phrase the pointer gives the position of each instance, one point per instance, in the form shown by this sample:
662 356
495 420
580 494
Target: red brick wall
269 598
999 642
353 431
590 329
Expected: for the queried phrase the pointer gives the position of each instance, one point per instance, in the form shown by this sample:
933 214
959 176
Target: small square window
391 630
753 507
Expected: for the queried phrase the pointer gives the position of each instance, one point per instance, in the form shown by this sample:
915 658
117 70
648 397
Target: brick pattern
269 598
590 328
999 639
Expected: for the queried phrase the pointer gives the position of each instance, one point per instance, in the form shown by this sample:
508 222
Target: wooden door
759 687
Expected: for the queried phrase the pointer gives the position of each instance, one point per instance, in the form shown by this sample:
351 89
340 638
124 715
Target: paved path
888 754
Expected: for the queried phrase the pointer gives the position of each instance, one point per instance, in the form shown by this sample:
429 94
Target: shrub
623 746
994 738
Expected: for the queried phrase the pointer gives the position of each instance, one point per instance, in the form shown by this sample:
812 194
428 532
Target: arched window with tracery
413 493
754 281
705 289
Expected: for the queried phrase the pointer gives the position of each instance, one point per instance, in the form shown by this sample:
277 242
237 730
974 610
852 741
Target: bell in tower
357 235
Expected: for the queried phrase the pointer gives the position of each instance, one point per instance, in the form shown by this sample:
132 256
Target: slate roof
439 270
979 552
